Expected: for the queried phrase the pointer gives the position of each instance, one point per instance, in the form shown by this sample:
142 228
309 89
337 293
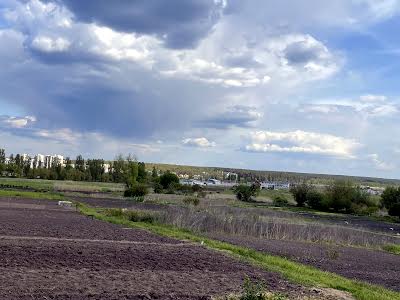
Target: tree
142 174
299 193
96 169
2 156
341 195
154 174
119 169
68 164
391 200
131 173
80 163
168 178
2 161
245 192
315 200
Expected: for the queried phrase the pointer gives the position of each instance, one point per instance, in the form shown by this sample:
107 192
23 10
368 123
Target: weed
191 200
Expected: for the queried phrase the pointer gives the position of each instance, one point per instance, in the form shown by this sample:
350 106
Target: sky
290 85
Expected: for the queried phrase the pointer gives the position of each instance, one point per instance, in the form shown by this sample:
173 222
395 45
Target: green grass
38 184
54 185
293 271
395 249
31 195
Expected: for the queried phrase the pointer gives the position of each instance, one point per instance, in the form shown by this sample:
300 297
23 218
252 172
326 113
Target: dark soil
375 267
48 252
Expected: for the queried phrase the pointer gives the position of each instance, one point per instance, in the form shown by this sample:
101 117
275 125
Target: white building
275 185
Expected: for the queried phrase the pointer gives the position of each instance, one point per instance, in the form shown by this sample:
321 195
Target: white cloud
17 122
367 106
48 44
302 142
200 142
379 164
63 135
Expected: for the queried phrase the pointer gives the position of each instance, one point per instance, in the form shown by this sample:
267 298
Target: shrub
315 200
299 193
391 200
167 178
158 188
345 197
173 188
139 216
253 291
201 194
280 201
136 190
191 200
131 215
196 188
245 192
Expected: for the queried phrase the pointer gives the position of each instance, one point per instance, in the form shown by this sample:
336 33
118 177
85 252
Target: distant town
104 172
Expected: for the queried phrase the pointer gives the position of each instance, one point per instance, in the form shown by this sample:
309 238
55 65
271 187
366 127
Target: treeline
277 176
79 170
346 197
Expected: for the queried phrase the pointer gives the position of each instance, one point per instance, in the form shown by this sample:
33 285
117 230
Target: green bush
245 192
191 201
131 215
299 193
253 291
167 179
136 190
315 200
158 188
391 200
280 201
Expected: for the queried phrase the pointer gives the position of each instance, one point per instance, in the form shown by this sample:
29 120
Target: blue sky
303 85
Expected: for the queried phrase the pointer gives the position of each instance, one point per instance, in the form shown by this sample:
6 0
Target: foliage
253 290
343 196
316 200
142 174
158 188
392 248
167 179
191 201
299 193
131 215
245 192
391 200
136 190
280 201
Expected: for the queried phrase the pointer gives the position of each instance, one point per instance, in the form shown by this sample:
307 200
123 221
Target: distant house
270 185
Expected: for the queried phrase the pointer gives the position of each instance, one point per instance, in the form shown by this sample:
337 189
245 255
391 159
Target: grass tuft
395 249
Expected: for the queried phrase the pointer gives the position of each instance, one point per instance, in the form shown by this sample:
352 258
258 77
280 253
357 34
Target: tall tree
142 174
80 163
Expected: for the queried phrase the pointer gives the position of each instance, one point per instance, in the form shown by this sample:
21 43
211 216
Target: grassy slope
51 185
31 195
295 272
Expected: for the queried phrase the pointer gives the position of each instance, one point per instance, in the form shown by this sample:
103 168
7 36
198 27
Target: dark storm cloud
180 23
238 116
301 53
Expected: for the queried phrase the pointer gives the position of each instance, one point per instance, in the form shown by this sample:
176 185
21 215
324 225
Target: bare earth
47 252
375 267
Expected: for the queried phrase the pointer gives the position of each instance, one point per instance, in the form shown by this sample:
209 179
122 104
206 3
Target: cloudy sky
296 85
